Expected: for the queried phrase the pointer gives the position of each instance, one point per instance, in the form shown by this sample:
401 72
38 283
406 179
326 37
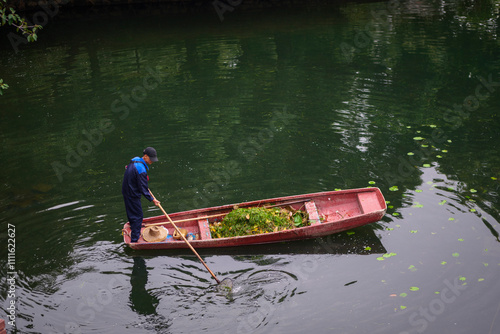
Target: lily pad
410 153
473 191
455 255
371 182
426 165
418 138
414 288
394 188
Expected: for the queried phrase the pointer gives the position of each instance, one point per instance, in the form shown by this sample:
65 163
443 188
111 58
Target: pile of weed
248 221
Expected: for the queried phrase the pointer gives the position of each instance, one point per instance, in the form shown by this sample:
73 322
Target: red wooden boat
329 212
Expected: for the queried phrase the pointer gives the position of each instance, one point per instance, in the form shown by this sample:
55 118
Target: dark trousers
133 208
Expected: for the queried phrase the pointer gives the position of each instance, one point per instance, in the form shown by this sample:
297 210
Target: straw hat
154 233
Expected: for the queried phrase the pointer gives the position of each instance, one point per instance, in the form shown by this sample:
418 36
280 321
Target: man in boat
135 184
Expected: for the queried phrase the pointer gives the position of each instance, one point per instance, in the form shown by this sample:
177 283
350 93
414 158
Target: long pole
187 242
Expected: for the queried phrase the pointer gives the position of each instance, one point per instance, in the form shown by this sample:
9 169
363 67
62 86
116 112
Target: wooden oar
225 213
187 242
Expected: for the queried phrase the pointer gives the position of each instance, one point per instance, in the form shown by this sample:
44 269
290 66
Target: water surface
266 103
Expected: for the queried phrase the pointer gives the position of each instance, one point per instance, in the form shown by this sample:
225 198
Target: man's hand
156 202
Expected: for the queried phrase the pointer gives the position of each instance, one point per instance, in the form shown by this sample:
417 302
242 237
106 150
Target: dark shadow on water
141 301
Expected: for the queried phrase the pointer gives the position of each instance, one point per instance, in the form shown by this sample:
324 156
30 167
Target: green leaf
443 263
455 255
403 294
371 182
442 202
410 153
451 218
473 191
418 138
394 188
402 307
368 248
413 231
414 288
460 239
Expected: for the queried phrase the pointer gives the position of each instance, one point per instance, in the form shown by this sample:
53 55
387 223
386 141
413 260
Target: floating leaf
418 138
380 258
371 182
402 307
424 145
412 268
493 178
473 191
461 278
426 165
337 189
455 255
460 239
480 279
442 202
418 190
394 188
414 288
403 294
443 263
413 231
391 206
418 205
350 232
444 151
395 214
472 210
389 229
485 264
449 140
451 218
432 126
410 153
368 248
439 156
437 292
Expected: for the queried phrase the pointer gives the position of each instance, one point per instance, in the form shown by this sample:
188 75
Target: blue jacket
135 180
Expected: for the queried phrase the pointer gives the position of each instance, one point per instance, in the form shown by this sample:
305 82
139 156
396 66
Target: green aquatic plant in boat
258 220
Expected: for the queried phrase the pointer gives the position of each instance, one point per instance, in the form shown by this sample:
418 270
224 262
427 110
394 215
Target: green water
268 102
